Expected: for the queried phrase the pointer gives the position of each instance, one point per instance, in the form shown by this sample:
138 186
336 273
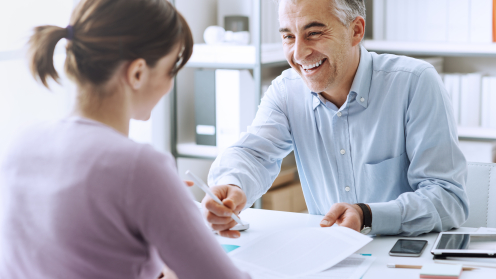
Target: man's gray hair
346 10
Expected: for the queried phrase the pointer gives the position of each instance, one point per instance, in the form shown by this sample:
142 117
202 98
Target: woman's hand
167 273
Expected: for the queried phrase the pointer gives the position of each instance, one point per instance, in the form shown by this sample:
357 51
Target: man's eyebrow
309 25
314 24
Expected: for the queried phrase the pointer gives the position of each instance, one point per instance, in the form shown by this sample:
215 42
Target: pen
390 265
207 190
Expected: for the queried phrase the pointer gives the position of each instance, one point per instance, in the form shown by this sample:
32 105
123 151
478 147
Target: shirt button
362 99
347 188
339 114
342 151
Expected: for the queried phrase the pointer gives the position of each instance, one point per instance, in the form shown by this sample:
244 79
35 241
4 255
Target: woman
81 200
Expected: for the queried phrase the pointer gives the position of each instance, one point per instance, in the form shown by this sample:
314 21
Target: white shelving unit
459 57
253 57
431 49
463 52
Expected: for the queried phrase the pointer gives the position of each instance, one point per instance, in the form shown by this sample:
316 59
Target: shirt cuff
386 218
226 180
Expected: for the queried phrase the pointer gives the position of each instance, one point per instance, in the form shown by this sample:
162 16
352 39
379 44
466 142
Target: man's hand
219 217
344 214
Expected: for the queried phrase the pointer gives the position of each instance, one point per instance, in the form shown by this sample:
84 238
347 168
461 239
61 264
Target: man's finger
230 234
214 219
189 183
223 227
333 215
217 209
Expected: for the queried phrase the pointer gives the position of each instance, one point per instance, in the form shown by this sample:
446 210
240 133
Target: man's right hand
219 216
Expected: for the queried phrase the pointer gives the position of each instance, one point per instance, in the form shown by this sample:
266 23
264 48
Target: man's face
316 44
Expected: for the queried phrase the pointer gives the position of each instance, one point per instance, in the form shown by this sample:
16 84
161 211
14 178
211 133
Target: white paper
301 252
353 267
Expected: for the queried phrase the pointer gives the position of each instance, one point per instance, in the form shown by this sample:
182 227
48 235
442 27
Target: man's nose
301 50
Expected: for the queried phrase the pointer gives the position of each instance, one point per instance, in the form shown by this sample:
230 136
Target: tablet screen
467 242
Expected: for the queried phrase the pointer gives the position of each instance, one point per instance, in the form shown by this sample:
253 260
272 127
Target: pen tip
390 265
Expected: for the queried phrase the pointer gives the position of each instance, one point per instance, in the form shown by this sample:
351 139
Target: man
365 128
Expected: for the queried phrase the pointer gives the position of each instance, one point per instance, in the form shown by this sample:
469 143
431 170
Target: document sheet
299 252
353 267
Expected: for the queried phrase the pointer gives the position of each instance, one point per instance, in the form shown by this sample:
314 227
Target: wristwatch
367 218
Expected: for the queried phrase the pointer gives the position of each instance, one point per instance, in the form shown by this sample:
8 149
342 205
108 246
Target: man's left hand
344 214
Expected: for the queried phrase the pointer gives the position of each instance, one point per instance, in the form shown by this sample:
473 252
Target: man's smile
310 68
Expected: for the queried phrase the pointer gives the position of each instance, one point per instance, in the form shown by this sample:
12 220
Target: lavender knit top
80 200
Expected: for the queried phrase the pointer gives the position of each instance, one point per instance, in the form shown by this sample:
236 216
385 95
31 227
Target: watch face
366 230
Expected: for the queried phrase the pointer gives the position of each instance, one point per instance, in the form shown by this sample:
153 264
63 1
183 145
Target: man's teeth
307 67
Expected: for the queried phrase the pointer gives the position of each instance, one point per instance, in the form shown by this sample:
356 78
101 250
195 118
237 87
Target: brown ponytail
42 46
107 32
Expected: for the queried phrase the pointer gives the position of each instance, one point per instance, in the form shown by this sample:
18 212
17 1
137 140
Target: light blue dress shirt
392 145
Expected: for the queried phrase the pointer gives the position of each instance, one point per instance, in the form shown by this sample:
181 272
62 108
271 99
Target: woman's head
107 35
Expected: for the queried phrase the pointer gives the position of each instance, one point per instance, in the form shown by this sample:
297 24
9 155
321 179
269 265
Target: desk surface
264 221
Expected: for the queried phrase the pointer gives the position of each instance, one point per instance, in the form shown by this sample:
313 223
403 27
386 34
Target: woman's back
83 201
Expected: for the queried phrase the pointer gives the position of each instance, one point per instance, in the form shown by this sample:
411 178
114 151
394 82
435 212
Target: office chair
481 191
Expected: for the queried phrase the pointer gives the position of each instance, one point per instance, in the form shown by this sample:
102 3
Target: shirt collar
363 77
361 82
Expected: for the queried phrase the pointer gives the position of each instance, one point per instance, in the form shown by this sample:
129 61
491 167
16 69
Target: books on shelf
225 106
235 105
488 109
473 97
456 21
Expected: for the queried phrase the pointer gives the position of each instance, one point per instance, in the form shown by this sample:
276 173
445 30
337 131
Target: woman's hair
104 33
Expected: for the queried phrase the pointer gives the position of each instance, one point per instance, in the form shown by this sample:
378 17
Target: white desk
264 221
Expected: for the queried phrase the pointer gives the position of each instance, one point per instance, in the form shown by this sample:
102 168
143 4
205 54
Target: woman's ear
136 73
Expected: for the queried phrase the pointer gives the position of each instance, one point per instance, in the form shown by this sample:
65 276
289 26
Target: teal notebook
229 247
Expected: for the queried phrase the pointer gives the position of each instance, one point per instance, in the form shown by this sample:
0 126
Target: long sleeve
254 161
163 214
437 172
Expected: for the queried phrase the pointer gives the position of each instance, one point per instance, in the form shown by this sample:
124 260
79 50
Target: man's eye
286 36
314 33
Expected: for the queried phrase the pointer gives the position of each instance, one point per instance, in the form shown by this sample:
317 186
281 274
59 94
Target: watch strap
367 215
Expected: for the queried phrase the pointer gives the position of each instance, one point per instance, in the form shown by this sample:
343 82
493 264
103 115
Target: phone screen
408 246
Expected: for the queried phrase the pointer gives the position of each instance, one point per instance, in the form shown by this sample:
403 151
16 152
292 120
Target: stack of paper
300 253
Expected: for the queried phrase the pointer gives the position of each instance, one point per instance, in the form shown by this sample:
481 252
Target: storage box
285 198
286 175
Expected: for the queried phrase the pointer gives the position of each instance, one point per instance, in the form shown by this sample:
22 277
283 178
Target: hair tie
70 32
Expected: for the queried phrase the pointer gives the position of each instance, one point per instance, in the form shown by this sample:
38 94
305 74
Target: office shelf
236 56
193 150
424 48
477 133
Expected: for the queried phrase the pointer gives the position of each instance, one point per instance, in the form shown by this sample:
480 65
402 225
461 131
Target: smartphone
408 248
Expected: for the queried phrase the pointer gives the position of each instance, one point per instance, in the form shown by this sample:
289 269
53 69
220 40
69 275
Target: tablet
464 244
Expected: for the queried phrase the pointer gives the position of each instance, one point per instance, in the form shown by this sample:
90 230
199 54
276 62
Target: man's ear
358 30
136 73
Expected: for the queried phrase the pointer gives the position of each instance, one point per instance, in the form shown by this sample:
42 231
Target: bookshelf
260 59
432 49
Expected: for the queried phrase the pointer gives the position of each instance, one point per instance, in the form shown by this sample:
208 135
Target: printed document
300 252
